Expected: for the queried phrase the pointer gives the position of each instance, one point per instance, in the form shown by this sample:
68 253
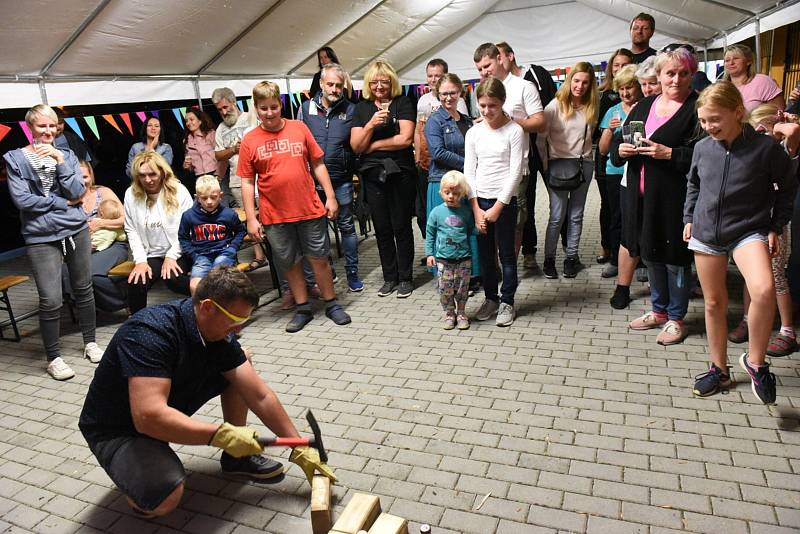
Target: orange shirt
281 159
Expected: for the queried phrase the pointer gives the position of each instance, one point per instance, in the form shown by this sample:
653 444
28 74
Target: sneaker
299 321
529 262
354 285
462 322
335 277
93 352
487 310
287 300
475 286
672 334
610 271
740 334
404 290
641 274
449 322
782 345
763 382
549 268
711 382
257 466
647 321
59 369
571 266
505 315
337 314
387 289
604 256
621 297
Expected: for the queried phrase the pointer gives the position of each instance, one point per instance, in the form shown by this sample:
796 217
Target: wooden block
389 524
320 504
360 513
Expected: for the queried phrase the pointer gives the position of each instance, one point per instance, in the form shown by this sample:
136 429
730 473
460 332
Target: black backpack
543 81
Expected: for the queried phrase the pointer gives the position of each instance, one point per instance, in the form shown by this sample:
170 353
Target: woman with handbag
571 117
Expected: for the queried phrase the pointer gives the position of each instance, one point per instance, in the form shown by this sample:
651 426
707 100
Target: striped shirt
45 167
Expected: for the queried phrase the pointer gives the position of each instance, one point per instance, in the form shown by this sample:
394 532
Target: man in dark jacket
329 116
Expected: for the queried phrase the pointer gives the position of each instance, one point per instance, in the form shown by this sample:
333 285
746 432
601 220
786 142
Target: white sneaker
487 310
59 369
505 315
93 352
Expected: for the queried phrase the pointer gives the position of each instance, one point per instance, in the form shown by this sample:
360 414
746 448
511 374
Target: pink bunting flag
141 115
4 131
126 118
112 122
27 131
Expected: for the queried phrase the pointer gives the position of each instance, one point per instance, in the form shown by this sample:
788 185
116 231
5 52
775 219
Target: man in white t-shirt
228 138
524 107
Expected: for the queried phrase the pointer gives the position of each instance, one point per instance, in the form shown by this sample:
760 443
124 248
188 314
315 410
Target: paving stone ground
567 421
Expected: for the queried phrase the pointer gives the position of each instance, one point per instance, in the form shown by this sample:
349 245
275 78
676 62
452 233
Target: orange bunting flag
126 118
4 131
112 122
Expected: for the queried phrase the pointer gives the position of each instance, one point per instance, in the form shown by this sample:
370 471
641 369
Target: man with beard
329 116
229 136
643 26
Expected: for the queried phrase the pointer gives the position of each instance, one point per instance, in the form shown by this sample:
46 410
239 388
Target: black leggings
137 293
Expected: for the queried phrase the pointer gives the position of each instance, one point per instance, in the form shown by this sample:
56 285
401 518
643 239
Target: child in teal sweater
447 248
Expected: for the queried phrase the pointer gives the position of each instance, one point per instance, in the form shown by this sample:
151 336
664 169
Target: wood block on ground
389 524
359 514
10 281
320 504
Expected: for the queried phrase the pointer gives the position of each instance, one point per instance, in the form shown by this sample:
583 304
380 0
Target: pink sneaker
647 321
672 334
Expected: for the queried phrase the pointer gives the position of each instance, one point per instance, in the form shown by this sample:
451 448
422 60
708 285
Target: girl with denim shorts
739 198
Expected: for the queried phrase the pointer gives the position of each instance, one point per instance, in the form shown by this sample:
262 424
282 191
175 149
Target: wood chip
483 501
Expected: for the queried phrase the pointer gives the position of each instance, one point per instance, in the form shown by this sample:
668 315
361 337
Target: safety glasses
237 320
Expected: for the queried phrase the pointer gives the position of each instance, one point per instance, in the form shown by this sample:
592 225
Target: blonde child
732 208
102 238
447 246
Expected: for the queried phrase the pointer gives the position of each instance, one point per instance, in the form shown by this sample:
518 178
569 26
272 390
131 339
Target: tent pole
758 44
43 91
289 97
196 85
705 57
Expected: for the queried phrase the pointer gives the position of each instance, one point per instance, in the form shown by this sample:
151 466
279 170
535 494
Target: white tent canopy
105 51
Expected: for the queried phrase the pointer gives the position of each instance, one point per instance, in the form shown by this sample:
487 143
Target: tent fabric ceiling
82 41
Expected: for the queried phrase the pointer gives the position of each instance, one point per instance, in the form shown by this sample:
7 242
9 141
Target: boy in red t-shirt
279 152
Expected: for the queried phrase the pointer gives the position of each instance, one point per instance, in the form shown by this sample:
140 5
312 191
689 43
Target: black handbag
566 174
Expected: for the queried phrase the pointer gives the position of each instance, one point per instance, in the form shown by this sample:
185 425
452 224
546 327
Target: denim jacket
445 144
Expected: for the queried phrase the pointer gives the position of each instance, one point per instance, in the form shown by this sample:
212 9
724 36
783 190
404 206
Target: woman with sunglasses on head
382 134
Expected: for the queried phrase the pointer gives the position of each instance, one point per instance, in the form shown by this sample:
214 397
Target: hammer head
312 422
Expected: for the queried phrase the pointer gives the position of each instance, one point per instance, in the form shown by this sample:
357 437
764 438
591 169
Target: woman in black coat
656 176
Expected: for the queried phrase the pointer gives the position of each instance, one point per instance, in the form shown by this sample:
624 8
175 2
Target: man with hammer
162 365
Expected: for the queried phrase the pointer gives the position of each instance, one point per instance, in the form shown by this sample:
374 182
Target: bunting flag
240 106
250 106
4 131
73 123
28 134
112 122
126 118
155 113
177 113
92 125
183 112
141 115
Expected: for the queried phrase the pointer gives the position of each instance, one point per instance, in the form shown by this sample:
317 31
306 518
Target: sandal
782 345
255 264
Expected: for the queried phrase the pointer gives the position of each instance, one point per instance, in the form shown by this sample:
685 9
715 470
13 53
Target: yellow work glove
308 460
238 441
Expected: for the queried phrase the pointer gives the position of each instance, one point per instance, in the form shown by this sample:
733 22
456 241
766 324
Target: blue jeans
670 286
347 227
203 264
499 240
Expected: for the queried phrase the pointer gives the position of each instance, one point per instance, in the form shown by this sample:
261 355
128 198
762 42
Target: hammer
315 442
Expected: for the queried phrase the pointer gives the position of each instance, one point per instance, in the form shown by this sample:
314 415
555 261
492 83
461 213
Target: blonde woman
154 204
756 89
571 117
382 133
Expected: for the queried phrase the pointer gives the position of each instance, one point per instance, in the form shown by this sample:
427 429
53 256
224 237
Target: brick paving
569 421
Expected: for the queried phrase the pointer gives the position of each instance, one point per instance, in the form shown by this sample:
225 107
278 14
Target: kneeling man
161 366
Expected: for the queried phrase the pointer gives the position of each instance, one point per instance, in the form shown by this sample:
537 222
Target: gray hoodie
46 218
737 191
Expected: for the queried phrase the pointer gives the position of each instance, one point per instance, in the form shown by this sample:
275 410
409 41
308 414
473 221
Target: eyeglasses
449 94
382 83
237 320
675 46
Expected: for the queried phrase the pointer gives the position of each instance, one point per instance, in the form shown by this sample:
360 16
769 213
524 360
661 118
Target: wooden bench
122 269
6 283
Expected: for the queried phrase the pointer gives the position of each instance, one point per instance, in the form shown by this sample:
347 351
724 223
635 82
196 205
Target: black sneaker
763 381
549 268
571 266
404 290
621 297
337 314
387 289
299 321
711 382
257 466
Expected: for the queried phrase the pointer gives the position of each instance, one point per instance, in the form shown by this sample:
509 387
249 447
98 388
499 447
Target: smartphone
637 132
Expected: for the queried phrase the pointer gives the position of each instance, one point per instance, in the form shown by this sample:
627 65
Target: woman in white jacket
154 204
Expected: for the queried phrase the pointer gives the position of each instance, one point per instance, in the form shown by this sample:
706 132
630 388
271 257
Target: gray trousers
566 207
46 260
